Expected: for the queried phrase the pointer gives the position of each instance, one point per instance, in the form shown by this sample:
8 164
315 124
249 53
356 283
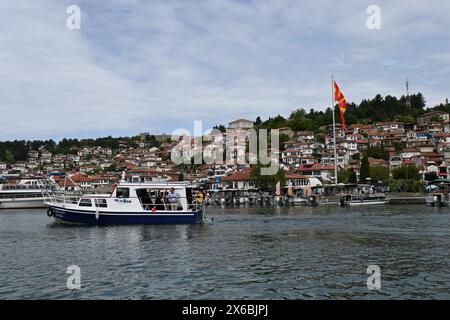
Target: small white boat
439 197
362 199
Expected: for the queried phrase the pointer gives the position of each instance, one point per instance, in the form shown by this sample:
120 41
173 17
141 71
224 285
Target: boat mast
334 130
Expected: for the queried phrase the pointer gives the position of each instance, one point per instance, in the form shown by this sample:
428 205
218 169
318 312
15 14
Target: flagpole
334 130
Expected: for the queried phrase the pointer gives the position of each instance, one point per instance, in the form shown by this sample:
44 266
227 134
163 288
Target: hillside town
306 157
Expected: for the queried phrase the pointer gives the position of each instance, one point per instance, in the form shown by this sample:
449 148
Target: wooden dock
407 200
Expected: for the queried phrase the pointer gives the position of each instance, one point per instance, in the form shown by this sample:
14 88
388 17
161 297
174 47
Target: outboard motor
313 201
437 202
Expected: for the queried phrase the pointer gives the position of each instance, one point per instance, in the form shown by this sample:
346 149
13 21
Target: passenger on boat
173 198
165 200
200 197
159 204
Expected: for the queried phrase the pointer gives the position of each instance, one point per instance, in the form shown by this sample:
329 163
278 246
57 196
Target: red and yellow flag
340 99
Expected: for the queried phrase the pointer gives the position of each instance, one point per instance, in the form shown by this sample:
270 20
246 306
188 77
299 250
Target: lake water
255 253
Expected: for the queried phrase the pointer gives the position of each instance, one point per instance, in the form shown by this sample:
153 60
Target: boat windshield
123 192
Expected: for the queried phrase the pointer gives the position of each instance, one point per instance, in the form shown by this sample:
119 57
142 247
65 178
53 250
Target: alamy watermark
74 280
374 279
373 21
73 22
234 146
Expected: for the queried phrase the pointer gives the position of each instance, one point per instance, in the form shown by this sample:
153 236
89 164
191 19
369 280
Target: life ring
49 212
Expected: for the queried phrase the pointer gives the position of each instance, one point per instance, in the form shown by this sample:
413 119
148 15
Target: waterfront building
324 172
240 124
241 180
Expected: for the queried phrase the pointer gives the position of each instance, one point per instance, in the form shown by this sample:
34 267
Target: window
85 203
122 193
101 203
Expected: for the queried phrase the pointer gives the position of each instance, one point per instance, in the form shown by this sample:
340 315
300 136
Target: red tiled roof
290 175
431 155
315 167
67 183
239 176
129 165
374 161
78 177
143 170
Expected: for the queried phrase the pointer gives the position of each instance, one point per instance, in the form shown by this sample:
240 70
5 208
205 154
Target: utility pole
408 98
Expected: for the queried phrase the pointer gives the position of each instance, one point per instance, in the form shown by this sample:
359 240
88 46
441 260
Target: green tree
258 122
346 176
111 168
220 127
379 174
406 173
403 185
365 169
9 157
378 153
352 177
320 137
343 176
283 139
301 123
274 123
430 176
267 182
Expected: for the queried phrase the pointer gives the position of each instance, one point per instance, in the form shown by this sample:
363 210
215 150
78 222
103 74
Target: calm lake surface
255 252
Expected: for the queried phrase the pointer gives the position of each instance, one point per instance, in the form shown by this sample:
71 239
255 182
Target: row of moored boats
158 202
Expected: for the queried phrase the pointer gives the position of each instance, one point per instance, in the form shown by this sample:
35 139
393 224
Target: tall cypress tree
365 169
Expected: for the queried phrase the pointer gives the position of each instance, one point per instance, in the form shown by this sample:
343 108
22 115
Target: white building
240 124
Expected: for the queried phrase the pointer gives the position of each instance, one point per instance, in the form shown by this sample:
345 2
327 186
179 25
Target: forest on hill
378 109
17 150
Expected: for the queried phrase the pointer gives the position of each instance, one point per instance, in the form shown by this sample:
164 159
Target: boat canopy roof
440 181
155 185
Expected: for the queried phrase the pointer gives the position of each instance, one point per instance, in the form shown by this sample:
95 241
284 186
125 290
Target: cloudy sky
159 65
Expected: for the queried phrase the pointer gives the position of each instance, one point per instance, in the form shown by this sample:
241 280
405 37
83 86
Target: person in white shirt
173 198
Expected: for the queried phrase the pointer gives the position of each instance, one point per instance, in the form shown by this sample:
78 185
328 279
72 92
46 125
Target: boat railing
22 187
192 204
60 197
20 196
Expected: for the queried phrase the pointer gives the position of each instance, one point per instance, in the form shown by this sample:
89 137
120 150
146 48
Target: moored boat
439 195
131 203
26 194
362 199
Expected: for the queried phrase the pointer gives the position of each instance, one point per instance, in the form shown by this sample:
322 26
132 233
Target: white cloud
146 65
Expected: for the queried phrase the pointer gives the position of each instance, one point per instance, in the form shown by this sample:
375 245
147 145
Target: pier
407 200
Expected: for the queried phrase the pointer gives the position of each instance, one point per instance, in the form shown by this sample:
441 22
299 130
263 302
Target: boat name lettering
122 200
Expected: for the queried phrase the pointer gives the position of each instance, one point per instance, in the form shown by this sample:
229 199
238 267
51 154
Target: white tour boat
130 203
26 194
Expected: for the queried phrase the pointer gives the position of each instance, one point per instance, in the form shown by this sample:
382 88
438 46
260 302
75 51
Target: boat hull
366 203
22 203
131 218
